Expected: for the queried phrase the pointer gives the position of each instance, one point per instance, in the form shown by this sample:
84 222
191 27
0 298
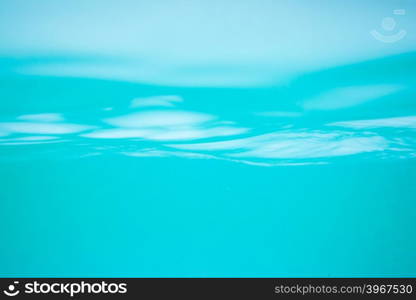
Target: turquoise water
207 139
107 178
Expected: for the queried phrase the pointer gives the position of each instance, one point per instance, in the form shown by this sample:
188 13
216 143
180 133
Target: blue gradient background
207 139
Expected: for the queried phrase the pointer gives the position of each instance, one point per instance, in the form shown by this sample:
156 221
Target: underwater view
208 139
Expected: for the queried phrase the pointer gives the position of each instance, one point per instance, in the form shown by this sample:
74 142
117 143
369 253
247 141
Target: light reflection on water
313 119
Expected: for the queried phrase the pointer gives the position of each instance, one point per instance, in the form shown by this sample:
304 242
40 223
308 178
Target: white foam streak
399 122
